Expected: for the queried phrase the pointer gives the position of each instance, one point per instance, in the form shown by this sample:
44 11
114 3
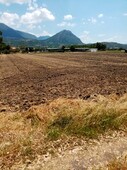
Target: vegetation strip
23 136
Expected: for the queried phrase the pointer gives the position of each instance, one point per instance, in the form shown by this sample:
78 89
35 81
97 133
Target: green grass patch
54 133
88 122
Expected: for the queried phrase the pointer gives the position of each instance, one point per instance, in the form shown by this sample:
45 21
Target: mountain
115 45
9 32
26 35
43 37
18 38
64 37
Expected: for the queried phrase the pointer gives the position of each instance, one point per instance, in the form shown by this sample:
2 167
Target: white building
93 49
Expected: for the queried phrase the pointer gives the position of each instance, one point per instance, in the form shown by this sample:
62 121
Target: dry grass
25 135
88 118
120 164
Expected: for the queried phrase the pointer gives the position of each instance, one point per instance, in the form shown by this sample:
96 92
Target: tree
1 38
100 46
3 47
72 48
63 48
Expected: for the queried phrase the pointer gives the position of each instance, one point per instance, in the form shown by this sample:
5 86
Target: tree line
99 46
3 47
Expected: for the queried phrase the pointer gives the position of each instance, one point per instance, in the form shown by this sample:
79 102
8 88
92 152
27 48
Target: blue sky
90 20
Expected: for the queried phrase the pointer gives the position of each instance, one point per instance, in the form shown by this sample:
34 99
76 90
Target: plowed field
31 79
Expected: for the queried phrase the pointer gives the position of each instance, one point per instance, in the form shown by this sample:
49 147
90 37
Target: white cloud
37 16
9 18
85 37
30 19
32 5
125 14
86 32
100 15
66 24
112 39
92 20
8 2
68 17
44 33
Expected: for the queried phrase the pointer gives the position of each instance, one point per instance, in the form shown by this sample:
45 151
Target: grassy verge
88 119
23 136
118 164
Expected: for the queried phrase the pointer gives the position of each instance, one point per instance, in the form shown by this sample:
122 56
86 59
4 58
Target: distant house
14 49
93 49
54 50
86 49
75 49
81 49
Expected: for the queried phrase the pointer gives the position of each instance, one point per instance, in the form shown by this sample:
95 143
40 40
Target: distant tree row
3 47
99 46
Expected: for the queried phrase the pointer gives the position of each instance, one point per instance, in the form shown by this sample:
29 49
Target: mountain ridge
66 37
13 37
9 32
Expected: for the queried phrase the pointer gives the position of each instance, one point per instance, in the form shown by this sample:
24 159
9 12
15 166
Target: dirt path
95 154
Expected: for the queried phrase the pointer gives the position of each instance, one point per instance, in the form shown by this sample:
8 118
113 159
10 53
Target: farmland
33 79
63 111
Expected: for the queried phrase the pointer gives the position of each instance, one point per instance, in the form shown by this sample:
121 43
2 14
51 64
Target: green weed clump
54 133
83 124
89 120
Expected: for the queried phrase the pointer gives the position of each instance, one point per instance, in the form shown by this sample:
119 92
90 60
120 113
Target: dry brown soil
31 79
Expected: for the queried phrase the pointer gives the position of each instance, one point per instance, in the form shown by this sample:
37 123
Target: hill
17 38
26 35
115 45
9 32
43 37
64 37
